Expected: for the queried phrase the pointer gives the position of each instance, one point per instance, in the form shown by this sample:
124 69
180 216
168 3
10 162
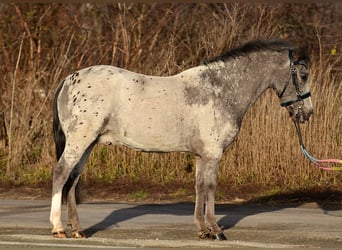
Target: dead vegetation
40 44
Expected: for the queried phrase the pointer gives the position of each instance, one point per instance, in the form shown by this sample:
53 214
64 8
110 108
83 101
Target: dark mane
254 46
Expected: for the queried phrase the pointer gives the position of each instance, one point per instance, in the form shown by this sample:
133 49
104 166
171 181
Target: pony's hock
199 110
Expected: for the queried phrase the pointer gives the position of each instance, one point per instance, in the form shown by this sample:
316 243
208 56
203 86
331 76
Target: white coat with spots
199 110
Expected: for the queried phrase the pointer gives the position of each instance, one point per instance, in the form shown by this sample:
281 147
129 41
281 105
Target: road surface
24 223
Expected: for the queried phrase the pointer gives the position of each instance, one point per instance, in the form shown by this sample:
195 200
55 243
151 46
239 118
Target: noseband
300 96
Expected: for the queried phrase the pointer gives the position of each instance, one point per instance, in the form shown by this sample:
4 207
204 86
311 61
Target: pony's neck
241 81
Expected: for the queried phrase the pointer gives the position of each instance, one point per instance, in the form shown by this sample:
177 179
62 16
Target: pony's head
295 94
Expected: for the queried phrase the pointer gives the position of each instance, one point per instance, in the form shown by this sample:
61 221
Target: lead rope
315 161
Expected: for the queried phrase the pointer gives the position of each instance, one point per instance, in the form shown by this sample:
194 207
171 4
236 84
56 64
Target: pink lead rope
315 161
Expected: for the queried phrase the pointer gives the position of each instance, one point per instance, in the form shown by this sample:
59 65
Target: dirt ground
179 192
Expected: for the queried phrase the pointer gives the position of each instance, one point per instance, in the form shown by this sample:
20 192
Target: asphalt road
24 223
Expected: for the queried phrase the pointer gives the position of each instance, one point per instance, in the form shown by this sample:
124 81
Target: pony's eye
304 77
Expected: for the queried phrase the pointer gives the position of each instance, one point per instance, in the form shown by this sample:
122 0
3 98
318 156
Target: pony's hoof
219 236
59 235
204 234
208 234
78 234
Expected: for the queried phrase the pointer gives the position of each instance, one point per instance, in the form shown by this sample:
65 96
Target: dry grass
163 39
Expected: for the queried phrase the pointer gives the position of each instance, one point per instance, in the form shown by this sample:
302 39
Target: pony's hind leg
61 173
73 219
67 169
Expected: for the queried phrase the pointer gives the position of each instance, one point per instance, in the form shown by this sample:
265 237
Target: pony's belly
145 142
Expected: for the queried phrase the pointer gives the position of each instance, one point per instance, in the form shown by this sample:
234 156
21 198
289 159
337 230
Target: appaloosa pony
199 110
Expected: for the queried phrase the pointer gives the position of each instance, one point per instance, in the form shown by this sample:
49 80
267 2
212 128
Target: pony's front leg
216 232
200 199
206 174
73 219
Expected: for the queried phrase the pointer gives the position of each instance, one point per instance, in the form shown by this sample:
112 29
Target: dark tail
60 140
58 133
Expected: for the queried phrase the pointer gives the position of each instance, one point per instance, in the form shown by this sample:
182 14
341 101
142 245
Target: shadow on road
120 215
327 201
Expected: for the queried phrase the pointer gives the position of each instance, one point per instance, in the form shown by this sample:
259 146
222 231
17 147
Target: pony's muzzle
299 113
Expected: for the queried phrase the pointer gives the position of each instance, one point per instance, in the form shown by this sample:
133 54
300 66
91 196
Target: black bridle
300 96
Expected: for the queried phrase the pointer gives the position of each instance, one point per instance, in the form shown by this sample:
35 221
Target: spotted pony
199 110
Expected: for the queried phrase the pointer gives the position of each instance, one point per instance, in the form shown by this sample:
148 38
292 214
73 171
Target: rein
300 97
315 161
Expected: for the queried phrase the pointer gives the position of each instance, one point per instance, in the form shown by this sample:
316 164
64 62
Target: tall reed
164 39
